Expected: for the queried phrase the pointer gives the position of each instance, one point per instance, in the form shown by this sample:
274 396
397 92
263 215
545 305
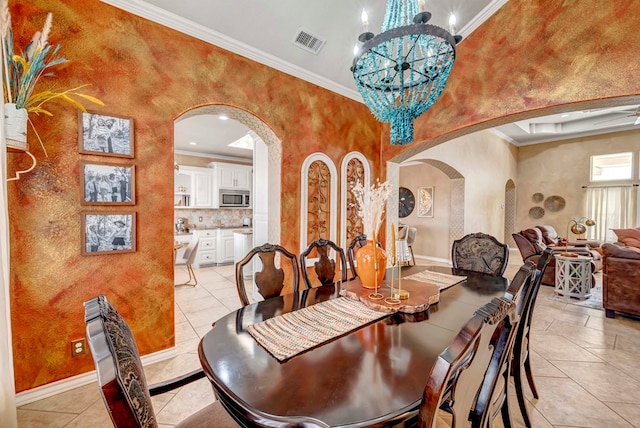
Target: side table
573 276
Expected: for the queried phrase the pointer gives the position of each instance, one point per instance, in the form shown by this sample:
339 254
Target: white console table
573 276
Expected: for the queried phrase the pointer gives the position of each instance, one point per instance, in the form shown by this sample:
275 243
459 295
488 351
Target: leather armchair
531 244
620 279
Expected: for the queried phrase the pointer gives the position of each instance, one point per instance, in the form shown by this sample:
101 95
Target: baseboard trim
63 385
434 259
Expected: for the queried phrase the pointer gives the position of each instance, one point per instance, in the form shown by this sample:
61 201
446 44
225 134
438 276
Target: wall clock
407 202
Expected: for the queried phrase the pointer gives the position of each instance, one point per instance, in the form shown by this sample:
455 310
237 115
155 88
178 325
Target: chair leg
413 259
527 369
517 381
192 277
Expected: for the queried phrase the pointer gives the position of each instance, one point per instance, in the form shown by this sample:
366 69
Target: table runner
442 280
289 334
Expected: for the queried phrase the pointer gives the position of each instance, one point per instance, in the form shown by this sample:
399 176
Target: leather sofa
531 244
620 279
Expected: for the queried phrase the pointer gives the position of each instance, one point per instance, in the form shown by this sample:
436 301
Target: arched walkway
269 216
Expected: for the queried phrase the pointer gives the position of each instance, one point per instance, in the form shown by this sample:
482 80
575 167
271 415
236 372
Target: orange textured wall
152 74
533 55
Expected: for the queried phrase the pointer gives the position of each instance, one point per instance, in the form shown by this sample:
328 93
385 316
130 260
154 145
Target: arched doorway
267 163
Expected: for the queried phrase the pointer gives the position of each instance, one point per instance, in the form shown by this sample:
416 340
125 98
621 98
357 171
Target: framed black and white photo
425 201
105 135
108 233
107 184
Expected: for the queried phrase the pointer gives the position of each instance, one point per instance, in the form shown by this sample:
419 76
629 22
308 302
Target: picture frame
105 135
107 183
425 202
108 233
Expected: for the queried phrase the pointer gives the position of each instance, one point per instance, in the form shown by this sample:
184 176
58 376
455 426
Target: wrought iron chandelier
401 72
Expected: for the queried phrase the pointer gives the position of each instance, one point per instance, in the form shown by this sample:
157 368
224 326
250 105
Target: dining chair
521 347
480 252
403 253
121 376
271 279
325 267
459 372
188 258
492 399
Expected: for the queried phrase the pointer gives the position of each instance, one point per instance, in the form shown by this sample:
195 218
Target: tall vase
365 264
15 126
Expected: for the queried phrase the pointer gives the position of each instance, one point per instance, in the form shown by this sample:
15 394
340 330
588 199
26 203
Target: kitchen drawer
206 257
206 244
206 233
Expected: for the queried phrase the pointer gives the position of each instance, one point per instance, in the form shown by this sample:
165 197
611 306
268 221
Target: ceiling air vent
307 41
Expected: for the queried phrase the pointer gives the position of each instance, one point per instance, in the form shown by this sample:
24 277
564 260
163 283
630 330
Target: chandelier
401 72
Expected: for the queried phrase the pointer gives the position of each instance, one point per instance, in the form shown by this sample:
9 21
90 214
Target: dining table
373 376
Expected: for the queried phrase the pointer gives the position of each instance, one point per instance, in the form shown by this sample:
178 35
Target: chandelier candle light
401 72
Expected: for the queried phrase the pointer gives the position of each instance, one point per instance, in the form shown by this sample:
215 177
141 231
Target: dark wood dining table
371 377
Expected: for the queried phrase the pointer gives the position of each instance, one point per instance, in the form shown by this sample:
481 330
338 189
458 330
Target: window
612 167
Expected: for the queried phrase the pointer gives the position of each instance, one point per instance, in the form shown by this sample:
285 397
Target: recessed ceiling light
564 115
223 117
193 143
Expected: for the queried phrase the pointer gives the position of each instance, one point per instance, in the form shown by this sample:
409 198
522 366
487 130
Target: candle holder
375 295
391 300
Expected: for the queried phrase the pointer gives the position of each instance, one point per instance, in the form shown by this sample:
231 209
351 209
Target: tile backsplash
219 217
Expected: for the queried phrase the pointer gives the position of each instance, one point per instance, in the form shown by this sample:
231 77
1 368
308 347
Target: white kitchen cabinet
225 246
193 187
206 253
232 176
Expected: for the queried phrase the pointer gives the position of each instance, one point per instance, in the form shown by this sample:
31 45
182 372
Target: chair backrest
494 390
357 242
270 280
458 374
189 254
411 235
325 267
480 252
117 361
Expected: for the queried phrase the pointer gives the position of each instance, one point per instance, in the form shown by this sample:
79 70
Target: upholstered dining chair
121 376
479 252
521 347
326 267
188 258
403 253
459 373
271 279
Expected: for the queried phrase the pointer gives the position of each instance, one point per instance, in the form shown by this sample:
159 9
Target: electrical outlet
78 347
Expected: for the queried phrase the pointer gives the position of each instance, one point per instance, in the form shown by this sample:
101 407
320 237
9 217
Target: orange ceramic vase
365 264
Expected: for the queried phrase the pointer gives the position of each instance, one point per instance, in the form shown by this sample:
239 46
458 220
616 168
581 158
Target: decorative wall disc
537 197
536 212
554 203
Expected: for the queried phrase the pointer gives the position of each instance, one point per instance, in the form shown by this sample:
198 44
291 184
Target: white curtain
613 207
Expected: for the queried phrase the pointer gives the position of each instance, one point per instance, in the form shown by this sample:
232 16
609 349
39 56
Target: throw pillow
629 237
611 250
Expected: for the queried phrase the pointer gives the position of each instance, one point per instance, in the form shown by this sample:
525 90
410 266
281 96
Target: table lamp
578 226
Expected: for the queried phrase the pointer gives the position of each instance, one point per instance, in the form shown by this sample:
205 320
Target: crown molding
185 26
480 18
213 156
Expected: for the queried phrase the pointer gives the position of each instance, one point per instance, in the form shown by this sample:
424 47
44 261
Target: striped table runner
442 280
289 334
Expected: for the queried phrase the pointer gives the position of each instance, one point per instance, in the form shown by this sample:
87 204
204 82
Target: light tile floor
587 367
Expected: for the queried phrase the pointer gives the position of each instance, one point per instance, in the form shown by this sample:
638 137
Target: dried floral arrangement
371 204
23 71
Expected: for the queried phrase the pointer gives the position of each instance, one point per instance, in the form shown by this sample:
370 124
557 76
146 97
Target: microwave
234 198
